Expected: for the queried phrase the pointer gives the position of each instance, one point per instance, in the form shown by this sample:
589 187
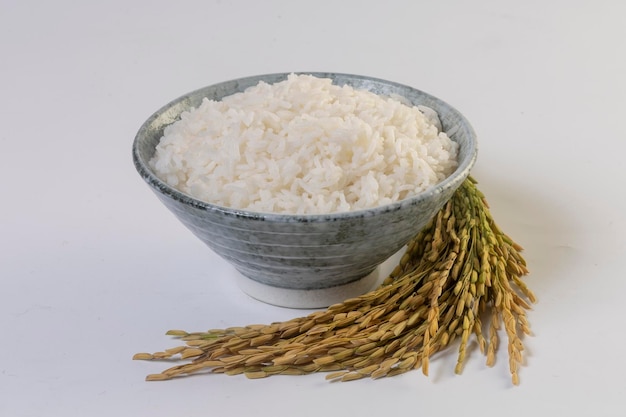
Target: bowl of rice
305 182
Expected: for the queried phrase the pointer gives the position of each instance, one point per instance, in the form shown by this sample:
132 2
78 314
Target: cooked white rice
304 146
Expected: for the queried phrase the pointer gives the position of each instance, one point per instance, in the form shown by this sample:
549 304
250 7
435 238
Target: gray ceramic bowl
305 261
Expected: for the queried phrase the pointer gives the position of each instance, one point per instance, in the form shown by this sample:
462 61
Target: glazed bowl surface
305 261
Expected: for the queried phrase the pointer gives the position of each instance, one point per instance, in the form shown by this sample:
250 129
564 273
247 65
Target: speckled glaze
320 255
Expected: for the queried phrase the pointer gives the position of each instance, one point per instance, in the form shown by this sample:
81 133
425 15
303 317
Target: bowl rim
453 180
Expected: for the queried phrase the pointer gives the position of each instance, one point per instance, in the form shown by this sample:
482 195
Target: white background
93 269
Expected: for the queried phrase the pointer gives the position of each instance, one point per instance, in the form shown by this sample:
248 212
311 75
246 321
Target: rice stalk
461 276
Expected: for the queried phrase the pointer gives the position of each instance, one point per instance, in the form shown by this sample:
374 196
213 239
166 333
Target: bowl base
307 299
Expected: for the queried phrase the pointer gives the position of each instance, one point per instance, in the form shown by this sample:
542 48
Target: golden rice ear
455 274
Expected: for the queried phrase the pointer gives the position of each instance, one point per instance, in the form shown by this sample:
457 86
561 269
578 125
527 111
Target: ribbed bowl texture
305 252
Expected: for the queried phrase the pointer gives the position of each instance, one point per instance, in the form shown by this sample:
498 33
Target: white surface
94 269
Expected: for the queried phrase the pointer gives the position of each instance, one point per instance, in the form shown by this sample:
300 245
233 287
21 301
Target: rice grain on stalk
460 276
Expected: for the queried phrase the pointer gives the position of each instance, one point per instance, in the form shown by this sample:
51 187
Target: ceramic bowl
305 261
